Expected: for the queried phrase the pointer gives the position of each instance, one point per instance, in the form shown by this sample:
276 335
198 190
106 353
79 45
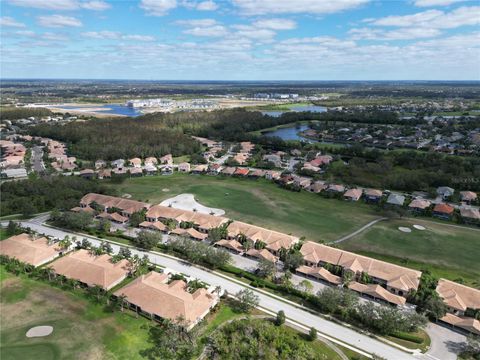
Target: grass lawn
258 202
82 330
424 346
447 251
3 233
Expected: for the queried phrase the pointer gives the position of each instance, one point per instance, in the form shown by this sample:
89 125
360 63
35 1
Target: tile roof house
127 206
353 194
274 240
115 217
458 299
470 215
468 196
419 205
443 211
230 245
319 273
241 172
166 160
377 292
100 164
228 170
318 186
395 199
184 167
191 232
373 195
30 250
202 222
157 225
263 254
152 294
92 270
397 279
336 188
151 160
272 175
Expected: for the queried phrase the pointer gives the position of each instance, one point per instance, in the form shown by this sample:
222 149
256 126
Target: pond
289 133
312 108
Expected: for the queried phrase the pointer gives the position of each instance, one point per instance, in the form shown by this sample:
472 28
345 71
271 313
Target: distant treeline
110 139
43 194
13 113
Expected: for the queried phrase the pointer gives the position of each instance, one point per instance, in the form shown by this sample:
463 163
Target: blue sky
241 39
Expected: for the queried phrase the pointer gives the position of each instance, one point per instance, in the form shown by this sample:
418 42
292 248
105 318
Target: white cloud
434 19
212 31
255 7
158 7
398 34
207 6
10 22
97 5
58 21
275 24
113 35
431 3
197 22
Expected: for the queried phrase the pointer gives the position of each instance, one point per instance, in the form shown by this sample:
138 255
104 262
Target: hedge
408 337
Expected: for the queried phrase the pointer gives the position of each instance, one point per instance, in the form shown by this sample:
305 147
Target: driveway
446 343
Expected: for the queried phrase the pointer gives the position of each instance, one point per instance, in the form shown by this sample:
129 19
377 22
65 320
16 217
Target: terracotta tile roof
336 188
29 250
190 232
354 194
126 205
468 195
228 170
273 239
169 301
377 292
419 204
443 209
262 254
396 276
91 270
320 273
230 244
241 171
466 323
470 213
113 216
86 209
157 225
203 221
458 296
374 193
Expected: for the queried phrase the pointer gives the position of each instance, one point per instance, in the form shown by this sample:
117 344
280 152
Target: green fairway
258 202
448 251
82 330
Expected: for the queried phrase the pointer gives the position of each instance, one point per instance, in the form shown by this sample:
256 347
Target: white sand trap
165 190
405 229
39 331
127 196
188 202
419 227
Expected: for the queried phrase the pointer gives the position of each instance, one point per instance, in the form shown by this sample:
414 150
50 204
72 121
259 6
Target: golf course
446 249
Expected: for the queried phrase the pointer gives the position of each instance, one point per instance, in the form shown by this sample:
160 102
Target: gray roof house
395 199
445 191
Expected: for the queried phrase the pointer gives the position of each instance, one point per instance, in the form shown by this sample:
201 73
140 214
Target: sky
241 39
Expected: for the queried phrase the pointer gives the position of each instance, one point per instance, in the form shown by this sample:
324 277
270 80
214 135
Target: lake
113 109
289 133
312 108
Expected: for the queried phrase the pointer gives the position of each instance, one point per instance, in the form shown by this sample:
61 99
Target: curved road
371 223
295 313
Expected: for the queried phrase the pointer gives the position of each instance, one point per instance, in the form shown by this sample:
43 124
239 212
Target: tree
435 308
146 240
280 319
106 247
13 228
137 217
305 286
312 334
246 300
266 268
85 244
293 260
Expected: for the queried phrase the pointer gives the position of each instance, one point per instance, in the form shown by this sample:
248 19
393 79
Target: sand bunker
127 196
405 229
165 190
39 331
419 227
188 202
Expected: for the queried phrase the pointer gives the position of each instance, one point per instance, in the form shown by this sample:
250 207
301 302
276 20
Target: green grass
424 346
259 202
447 251
3 233
82 329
